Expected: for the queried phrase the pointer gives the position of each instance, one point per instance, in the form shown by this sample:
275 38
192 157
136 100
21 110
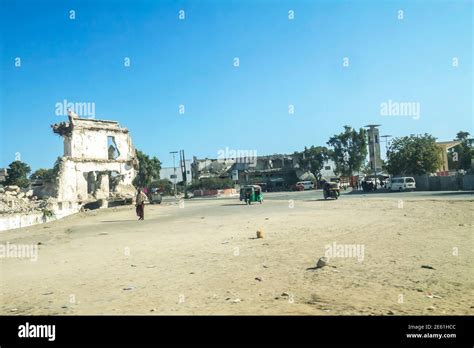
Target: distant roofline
92 119
456 142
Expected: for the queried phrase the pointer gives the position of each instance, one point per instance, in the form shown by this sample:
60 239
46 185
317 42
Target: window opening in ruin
112 148
91 182
114 179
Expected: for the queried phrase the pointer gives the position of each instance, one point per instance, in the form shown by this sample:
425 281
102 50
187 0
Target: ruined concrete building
96 171
98 166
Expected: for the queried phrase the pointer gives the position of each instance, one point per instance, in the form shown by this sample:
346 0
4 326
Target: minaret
374 147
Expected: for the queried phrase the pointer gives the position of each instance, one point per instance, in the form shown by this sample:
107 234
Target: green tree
148 170
18 174
349 150
312 159
47 175
413 155
43 174
461 155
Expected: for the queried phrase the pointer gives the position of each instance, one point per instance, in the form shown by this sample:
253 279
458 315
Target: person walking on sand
141 198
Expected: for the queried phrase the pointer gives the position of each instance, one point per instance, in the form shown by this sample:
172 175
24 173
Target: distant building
170 173
328 170
443 169
277 172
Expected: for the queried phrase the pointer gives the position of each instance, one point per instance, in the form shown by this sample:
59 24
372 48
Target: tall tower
374 147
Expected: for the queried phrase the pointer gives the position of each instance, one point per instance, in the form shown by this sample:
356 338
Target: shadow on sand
312 268
119 220
320 200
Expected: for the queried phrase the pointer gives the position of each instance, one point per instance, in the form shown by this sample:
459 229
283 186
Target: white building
328 169
170 172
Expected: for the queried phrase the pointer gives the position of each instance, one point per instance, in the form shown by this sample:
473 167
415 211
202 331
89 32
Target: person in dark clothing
141 198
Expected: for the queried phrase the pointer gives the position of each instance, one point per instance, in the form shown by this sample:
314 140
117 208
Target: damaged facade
96 171
278 172
98 165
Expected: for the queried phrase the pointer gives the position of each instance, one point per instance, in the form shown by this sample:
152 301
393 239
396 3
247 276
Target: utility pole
386 142
183 170
174 171
375 167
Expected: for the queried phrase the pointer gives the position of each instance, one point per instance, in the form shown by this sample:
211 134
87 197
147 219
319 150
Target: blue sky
190 62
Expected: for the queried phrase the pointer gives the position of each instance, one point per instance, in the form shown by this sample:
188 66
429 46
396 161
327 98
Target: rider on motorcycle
325 186
330 189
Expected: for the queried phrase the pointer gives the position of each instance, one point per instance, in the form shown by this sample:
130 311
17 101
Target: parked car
154 196
307 185
297 187
402 183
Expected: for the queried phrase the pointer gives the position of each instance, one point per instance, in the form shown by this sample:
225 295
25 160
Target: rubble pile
14 200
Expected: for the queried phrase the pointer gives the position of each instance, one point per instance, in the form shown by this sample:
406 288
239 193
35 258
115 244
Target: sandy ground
203 258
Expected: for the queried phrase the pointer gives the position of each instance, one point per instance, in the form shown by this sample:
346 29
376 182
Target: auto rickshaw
331 189
251 193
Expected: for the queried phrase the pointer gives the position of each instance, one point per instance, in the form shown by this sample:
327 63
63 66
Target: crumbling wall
75 174
88 138
21 208
98 165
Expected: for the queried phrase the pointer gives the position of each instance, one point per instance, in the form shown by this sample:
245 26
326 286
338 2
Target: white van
402 183
307 185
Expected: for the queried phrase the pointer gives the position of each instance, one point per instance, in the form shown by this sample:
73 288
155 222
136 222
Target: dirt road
203 258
